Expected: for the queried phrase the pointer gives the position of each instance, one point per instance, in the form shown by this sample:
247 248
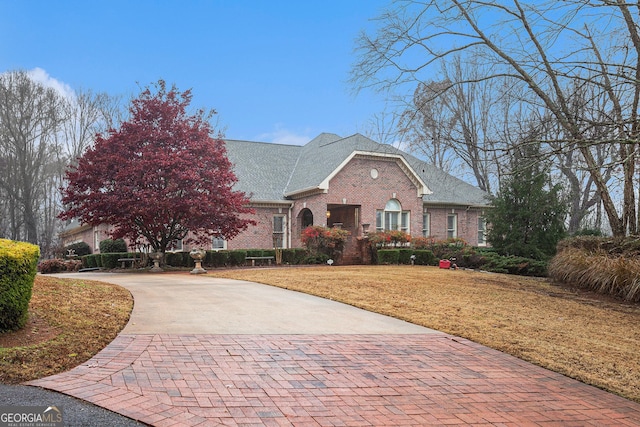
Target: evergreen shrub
18 268
388 256
237 258
113 246
80 249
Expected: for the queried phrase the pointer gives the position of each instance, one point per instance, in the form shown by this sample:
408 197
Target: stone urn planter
156 257
198 255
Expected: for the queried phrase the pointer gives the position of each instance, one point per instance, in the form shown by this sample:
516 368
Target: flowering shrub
322 240
390 238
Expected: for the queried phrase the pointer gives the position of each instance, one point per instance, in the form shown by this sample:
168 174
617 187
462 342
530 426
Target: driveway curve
170 303
202 351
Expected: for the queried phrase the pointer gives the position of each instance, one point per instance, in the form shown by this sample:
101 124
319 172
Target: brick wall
467 222
353 187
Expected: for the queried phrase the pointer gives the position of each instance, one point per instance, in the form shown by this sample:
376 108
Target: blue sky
274 70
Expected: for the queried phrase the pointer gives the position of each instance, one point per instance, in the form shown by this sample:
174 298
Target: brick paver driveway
357 375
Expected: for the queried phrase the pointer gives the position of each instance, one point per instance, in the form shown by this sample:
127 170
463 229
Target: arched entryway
305 218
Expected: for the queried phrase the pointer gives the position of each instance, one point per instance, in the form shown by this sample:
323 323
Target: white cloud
284 136
41 76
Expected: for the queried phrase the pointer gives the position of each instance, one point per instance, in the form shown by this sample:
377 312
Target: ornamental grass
599 271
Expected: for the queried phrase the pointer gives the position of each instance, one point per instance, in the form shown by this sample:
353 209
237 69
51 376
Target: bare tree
30 116
546 48
426 124
453 121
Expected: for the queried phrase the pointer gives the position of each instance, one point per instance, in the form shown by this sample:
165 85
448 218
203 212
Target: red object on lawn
445 263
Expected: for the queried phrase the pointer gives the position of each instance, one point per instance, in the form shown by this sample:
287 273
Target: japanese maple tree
160 177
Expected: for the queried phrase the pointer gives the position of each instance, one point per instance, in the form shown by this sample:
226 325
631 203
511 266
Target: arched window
392 217
307 218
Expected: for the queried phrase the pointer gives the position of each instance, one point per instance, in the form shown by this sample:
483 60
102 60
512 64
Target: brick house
353 183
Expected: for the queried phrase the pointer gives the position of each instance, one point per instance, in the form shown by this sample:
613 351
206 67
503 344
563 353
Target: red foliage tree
159 178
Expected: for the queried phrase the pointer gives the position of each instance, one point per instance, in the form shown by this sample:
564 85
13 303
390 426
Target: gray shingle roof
268 172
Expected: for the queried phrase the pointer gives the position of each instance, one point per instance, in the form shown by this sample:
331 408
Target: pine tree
528 215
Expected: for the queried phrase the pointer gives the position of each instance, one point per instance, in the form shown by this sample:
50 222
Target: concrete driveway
200 351
178 303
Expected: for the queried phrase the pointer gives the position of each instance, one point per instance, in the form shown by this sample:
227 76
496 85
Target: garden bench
124 261
254 258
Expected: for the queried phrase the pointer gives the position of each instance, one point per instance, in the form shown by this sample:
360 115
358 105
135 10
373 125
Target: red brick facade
353 197
350 197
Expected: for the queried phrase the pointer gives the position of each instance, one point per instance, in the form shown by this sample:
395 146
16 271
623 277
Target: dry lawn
69 322
592 338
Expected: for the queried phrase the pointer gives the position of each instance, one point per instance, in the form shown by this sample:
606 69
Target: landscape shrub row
213 259
18 268
235 258
106 260
465 257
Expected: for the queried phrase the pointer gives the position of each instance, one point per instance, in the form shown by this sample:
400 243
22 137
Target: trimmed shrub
237 258
187 261
404 256
174 259
217 258
294 256
388 256
269 252
254 252
110 260
89 261
317 258
109 246
424 257
18 268
80 249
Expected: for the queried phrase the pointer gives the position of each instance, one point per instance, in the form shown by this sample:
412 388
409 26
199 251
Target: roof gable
275 172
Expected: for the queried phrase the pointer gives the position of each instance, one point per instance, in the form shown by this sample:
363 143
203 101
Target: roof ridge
261 142
293 171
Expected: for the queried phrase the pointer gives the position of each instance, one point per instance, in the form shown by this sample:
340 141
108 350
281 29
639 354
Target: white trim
422 188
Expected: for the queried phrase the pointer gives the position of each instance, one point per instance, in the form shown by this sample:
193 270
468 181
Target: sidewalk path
204 351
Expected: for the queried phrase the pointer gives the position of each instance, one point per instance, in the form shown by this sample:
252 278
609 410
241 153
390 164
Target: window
278 231
482 231
393 217
426 223
452 226
218 243
175 245
379 224
404 223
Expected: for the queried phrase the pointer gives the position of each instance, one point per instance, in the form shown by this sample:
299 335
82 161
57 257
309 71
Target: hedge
80 249
90 261
18 268
237 258
424 257
404 256
388 256
110 260
109 246
216 259
294 256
